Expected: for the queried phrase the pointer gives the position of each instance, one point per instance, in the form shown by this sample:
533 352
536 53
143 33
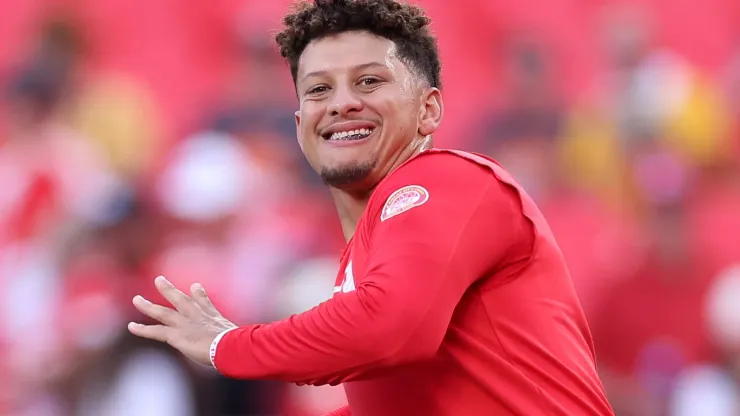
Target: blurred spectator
519 129
652 326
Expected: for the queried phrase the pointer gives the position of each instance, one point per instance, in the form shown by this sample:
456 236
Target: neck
350 207
352 204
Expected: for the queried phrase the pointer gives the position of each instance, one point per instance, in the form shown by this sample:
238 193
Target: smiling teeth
351 135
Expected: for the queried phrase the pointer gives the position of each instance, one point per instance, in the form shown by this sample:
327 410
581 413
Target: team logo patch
403 200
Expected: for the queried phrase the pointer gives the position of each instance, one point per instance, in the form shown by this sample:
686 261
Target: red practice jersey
452 299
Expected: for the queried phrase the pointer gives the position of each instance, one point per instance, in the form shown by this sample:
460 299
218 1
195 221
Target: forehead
346 50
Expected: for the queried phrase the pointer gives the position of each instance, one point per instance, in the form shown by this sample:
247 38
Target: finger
159 333
202 300
161 313
179 300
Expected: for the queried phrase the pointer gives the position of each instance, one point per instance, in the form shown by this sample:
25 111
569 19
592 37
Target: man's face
360 108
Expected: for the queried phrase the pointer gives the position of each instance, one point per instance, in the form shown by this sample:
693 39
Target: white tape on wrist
214 346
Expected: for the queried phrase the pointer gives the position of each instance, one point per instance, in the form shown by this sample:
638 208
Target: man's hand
191 327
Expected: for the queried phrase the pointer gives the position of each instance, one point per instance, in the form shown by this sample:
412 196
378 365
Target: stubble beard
349 174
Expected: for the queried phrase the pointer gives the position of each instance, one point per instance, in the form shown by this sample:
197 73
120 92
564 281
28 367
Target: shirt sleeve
419 264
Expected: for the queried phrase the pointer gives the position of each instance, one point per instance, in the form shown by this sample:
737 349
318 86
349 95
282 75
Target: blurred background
140 138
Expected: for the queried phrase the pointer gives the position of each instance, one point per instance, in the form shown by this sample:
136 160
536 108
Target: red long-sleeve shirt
452 299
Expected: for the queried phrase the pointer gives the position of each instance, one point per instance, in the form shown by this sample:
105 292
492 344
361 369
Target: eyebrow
356 68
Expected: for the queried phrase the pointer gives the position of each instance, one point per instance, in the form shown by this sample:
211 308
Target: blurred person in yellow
700 127
119 117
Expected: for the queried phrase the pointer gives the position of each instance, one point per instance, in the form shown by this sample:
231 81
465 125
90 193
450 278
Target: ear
298 129
432 111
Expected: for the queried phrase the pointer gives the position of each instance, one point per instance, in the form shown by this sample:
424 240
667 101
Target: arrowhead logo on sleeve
403 200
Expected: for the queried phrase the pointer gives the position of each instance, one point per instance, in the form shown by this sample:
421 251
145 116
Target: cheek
404 117
310 119
392 110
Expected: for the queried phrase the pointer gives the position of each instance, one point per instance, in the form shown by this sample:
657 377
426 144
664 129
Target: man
452 297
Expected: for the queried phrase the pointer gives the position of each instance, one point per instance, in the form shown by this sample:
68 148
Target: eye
317 89
369 81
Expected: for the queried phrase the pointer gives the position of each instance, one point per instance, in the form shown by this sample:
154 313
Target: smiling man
452 297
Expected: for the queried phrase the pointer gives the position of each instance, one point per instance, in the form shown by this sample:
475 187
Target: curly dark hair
405 25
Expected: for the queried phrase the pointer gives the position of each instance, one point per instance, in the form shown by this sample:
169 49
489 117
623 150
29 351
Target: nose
343 102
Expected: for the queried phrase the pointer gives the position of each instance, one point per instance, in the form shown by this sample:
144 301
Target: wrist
214 346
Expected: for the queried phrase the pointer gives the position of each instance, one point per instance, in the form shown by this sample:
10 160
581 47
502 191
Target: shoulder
441 163
440 169
441 179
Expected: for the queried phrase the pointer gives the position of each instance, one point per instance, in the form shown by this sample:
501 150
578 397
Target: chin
346 175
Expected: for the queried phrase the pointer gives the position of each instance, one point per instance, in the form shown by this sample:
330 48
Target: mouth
349 135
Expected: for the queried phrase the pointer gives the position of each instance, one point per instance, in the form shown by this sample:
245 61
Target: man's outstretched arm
420 263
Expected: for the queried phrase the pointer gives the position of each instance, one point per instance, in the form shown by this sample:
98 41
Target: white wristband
214 346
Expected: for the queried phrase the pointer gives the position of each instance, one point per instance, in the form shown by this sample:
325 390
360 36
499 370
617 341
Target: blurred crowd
140 139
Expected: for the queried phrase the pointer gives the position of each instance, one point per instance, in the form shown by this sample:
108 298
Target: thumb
201 298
